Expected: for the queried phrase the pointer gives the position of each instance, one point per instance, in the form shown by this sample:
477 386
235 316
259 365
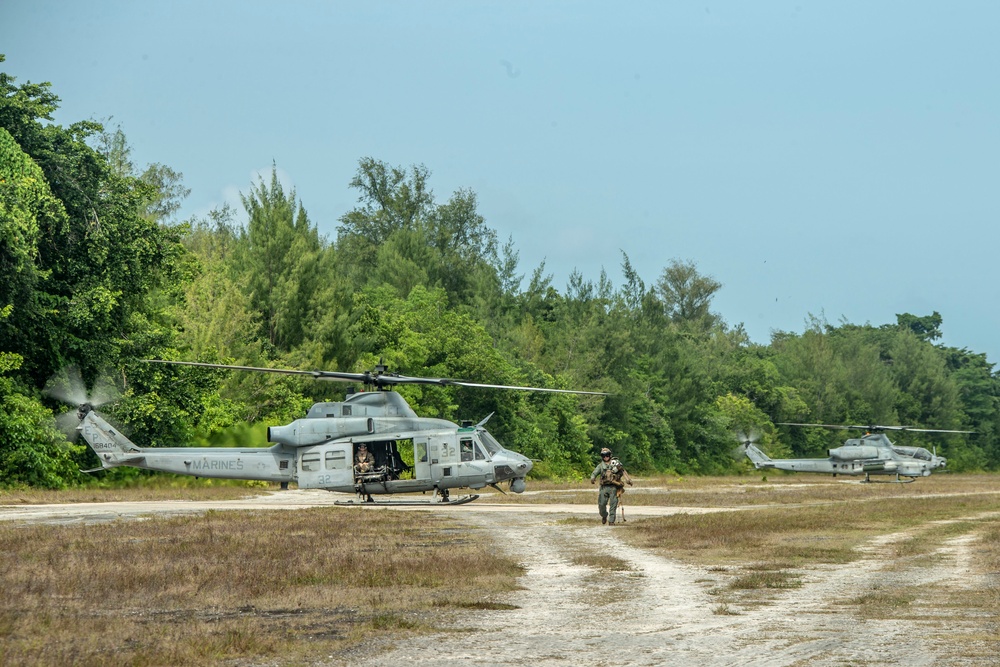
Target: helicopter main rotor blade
378 379
462 383
874 427
921 430
841 427
318 375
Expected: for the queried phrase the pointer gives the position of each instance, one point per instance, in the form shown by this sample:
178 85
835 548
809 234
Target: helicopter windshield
489 442
915 452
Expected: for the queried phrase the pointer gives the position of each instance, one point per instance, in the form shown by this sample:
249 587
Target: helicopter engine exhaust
303 432
854 452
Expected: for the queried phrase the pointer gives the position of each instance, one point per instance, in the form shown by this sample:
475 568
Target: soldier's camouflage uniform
613 479
364 462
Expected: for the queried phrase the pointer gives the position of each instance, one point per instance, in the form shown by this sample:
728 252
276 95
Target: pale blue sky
834 158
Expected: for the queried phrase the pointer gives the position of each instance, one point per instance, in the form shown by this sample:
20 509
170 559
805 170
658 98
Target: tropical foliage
97 273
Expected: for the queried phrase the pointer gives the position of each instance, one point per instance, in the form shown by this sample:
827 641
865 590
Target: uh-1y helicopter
319 450
871 454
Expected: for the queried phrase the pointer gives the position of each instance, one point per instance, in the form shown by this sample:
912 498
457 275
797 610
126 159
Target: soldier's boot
604 519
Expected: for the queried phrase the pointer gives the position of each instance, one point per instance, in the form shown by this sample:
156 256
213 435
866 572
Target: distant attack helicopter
319 450
871 454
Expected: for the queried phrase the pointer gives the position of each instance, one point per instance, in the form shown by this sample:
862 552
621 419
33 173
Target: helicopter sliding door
326 466
443 454
454 461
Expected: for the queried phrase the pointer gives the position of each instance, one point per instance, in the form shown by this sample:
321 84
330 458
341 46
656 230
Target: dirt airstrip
651 611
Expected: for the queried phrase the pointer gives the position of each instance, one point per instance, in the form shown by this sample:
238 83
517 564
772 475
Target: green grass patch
601 561
756 580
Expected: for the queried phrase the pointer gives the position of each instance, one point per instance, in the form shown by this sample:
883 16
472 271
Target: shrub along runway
821 572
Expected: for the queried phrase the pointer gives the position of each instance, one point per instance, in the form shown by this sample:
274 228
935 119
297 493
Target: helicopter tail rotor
68 387
745 438
748 448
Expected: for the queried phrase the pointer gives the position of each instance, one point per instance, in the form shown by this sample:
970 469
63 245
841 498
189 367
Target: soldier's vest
612 475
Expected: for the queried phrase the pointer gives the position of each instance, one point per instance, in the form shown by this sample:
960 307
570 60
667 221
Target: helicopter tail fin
759 458
111 447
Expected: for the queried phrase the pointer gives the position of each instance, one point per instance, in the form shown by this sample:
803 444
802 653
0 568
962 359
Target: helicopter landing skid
867 480
458 500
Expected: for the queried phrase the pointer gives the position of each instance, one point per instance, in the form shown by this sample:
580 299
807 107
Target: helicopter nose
511 465
524 466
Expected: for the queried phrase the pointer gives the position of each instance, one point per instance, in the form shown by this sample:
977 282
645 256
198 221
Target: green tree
26 206
276 260
399 236
687 295
101 259
32 451
926 328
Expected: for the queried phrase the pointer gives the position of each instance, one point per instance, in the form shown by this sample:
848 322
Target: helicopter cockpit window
479 453
466 447
489 442
922 454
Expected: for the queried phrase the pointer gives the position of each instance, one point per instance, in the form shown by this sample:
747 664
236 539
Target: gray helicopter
871 454
321 450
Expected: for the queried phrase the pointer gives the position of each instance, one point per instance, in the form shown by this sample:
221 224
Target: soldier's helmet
605 452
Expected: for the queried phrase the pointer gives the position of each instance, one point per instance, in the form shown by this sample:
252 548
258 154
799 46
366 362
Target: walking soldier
613 478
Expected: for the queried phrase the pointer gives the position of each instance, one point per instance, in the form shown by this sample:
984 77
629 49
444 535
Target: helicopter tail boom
759 458
111 447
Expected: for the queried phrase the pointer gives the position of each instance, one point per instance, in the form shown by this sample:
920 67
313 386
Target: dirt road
655 611
661 612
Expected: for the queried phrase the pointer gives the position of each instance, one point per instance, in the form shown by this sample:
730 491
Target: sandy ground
663 613
657 612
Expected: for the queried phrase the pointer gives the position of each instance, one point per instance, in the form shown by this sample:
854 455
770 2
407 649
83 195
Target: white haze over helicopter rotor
68 386
748 437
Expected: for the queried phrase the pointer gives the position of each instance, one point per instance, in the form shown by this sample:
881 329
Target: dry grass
235 585
291 588
980 601
775 489
883 602
602 562
162 488
801 534
756 551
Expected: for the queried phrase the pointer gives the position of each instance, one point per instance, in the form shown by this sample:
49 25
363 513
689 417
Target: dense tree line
97 274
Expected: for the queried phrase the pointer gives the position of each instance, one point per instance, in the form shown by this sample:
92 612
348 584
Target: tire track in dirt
663 612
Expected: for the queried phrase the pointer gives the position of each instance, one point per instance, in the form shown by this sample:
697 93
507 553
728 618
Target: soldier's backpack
612 475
